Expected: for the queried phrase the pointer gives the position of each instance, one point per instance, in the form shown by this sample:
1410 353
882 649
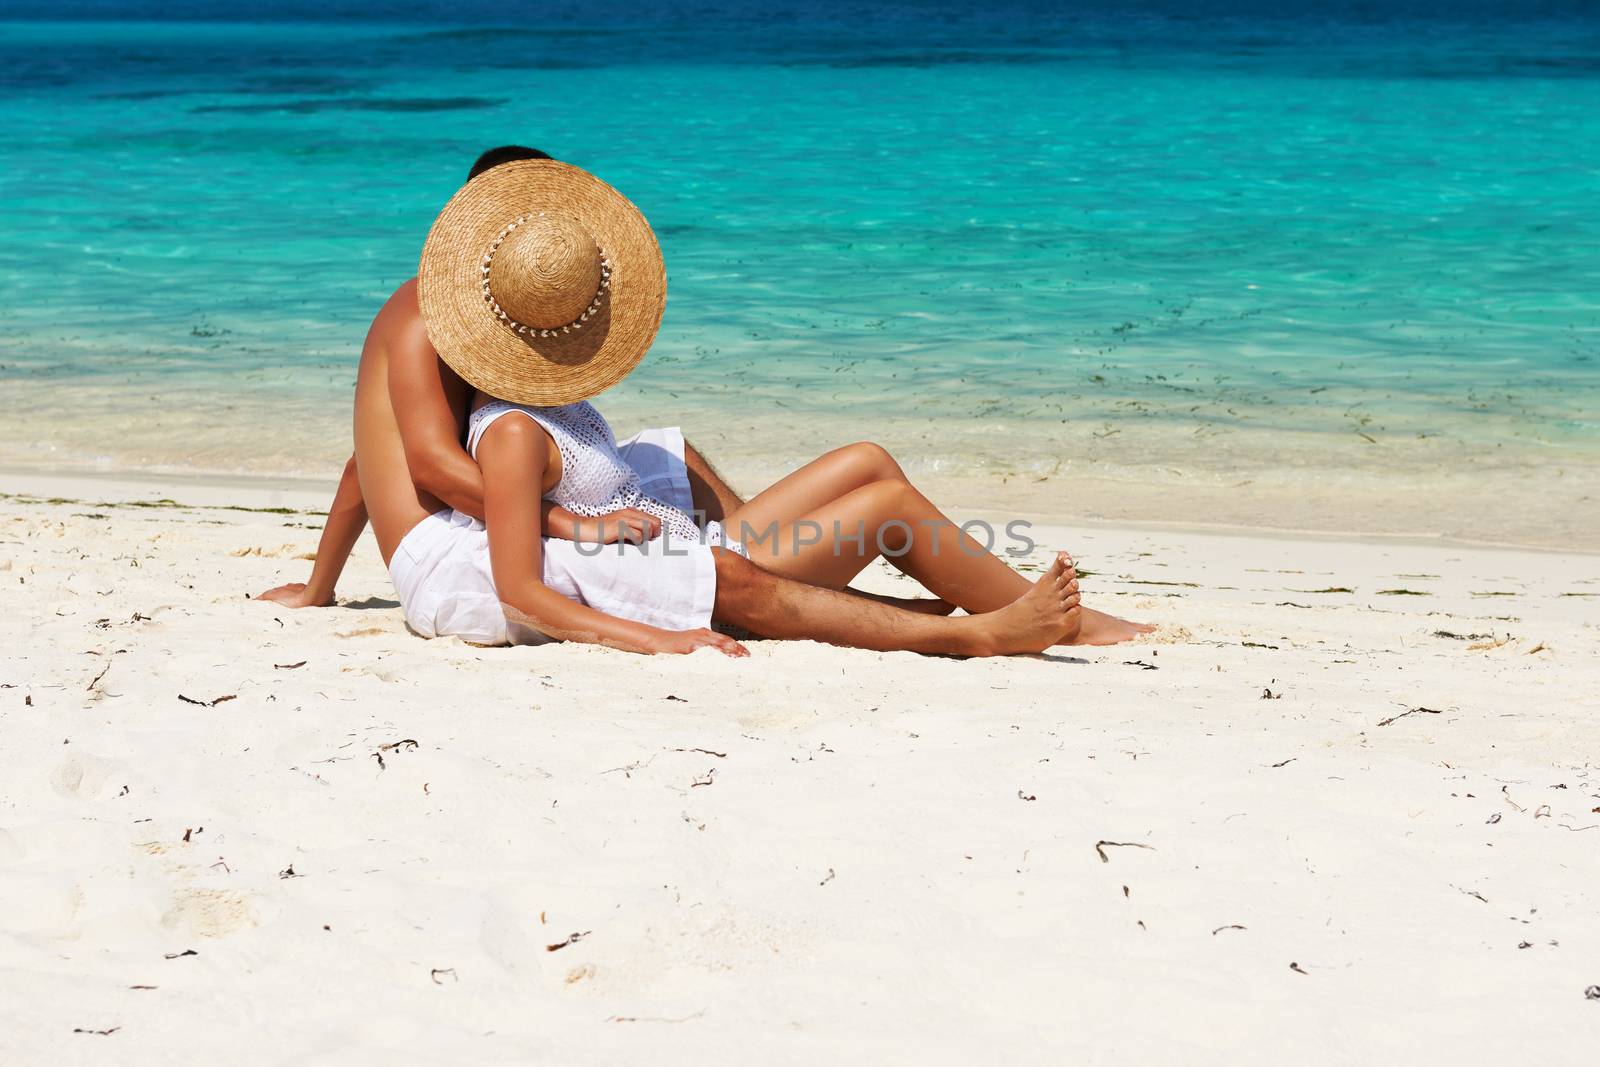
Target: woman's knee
890 508
874 461
891 495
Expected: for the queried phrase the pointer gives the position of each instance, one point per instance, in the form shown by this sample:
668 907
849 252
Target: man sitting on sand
584 249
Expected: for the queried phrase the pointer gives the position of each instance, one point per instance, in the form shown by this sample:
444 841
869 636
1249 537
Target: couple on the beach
507 511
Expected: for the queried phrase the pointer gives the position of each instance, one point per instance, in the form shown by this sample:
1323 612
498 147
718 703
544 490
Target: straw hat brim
526 368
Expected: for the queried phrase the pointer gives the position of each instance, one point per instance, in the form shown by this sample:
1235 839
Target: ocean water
1344 253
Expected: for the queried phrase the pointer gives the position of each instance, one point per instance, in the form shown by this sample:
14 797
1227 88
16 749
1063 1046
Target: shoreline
309 496
1479 484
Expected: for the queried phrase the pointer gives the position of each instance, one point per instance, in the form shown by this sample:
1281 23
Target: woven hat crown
545 271
541 284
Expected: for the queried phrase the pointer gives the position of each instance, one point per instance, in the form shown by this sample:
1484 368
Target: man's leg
925 605
713 497
773 606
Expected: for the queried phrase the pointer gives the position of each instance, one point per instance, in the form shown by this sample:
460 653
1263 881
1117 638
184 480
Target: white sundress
595 480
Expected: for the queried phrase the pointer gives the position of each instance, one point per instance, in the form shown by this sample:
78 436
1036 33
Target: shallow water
1016 242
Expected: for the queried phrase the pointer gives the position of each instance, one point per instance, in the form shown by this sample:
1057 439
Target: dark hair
506 153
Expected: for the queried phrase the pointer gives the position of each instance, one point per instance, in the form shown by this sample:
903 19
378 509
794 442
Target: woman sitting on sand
541 286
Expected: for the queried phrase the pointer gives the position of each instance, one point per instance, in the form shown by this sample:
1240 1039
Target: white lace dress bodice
595 479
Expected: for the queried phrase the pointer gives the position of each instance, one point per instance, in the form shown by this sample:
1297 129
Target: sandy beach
1283 319
1342 808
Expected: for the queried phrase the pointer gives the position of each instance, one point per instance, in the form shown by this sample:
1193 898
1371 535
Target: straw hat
541 284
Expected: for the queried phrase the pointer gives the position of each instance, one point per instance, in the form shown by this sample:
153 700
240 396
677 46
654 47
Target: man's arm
347 517
713 497
513 454
430 405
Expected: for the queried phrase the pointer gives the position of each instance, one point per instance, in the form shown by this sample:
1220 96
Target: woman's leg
809 492
823 480
831 544
820 482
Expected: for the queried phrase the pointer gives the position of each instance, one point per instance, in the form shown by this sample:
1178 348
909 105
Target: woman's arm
625 524
513 454
347 517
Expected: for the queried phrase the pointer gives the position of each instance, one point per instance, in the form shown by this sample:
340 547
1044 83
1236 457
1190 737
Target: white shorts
442 574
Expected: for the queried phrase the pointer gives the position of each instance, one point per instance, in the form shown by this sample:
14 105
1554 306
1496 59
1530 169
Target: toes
1070 601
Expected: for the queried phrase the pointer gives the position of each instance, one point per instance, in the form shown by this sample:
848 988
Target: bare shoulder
400 315
405 298
400 330
516 434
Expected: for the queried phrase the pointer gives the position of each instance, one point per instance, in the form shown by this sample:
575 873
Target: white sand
814 855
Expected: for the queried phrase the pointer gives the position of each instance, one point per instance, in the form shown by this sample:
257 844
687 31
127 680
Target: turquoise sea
1339 249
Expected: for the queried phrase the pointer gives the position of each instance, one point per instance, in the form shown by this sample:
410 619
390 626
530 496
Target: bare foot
1102 629
297 595
1047 614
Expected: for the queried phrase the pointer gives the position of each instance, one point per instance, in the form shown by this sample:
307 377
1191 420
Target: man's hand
297 595
628 524
682 642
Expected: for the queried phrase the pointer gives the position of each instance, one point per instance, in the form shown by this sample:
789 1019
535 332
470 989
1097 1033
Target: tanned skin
826 521
517 453
408 467
403 374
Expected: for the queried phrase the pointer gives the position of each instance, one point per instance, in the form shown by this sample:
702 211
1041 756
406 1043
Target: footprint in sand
88 777
210 912
273 552
365 631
